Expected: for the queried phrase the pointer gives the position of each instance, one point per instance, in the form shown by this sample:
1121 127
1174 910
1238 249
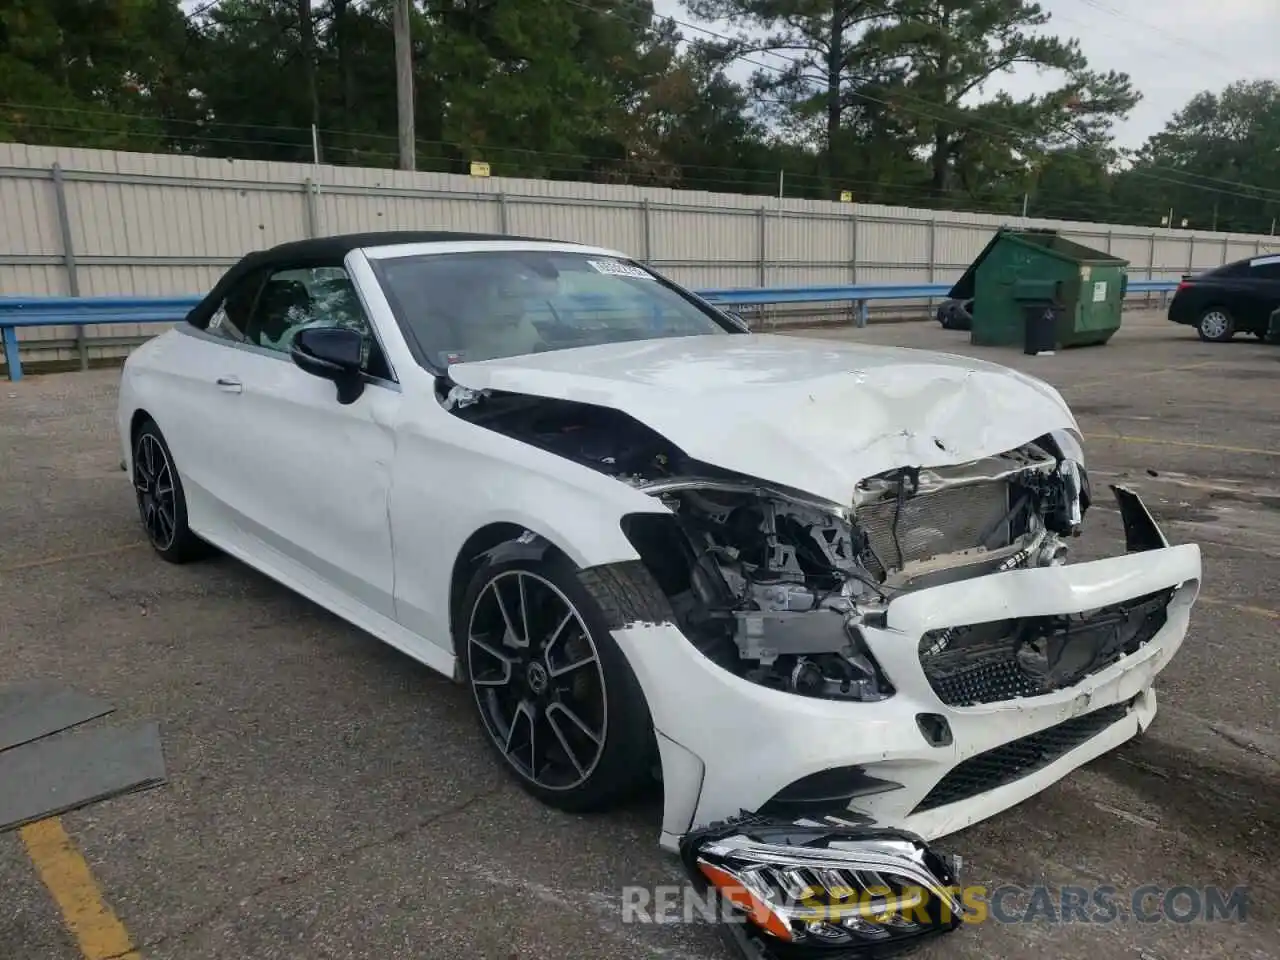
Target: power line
1213 55
725 174
886 194
1004 129
1022 136
991 124
202 9
1160 49
1263 193
210 137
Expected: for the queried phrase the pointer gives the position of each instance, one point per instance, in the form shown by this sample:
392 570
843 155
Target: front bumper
729 745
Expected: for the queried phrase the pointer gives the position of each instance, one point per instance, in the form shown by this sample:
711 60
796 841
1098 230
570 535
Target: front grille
1032 656
1011 762
932 524
989 681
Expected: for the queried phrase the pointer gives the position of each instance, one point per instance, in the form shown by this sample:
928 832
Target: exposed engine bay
774 585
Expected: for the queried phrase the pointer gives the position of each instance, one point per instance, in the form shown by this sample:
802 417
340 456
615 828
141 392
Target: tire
162 506
1216 325
564 686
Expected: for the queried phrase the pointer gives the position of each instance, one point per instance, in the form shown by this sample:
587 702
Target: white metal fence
102 223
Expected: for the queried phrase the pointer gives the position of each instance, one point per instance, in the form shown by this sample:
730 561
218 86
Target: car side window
293 300
1266 271
231 320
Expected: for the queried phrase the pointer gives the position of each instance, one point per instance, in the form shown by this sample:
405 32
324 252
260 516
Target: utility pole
404 84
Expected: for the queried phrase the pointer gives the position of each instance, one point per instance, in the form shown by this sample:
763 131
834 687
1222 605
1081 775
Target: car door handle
230 384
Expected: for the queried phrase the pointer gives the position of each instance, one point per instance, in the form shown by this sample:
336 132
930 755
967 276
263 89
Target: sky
1172 49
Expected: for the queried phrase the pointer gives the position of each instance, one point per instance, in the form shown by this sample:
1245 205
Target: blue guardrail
18 312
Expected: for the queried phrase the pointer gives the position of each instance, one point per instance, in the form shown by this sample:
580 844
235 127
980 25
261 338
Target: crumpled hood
815 415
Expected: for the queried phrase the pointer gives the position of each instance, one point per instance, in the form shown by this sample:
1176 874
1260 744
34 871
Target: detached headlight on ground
823 891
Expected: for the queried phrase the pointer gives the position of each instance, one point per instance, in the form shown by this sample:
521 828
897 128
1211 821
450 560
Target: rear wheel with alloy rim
162 505
1216 325
555 694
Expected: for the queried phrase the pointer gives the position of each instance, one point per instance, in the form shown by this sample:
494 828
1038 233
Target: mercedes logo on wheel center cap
537 677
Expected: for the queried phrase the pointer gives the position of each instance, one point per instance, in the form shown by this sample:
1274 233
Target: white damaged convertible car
820 589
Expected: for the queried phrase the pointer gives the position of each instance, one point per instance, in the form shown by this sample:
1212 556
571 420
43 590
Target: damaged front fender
822 891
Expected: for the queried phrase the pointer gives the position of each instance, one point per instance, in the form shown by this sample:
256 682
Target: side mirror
332 353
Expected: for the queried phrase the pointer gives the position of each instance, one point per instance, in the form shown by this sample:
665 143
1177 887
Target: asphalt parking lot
328 798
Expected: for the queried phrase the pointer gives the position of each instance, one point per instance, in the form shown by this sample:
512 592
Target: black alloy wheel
162 504
555 694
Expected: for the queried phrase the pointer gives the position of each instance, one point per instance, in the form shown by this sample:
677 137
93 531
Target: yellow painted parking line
98 932
1241 607
68 557
1182 443
1147 373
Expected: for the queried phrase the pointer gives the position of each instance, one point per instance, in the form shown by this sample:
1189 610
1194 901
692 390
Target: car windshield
485 305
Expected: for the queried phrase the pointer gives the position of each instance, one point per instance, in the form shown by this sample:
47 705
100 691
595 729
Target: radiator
939 522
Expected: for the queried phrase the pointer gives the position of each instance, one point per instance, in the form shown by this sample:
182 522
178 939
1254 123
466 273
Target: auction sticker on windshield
615 268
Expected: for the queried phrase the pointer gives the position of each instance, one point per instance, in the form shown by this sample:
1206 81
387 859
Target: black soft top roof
323 250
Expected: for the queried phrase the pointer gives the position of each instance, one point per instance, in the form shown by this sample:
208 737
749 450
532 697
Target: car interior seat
283 304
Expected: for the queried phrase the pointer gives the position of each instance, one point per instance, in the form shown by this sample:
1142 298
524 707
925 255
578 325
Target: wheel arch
500 540
140 416
504 541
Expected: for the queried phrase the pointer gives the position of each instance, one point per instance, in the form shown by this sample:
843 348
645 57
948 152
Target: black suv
1234 298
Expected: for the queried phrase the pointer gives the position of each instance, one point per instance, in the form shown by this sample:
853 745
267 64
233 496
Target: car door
316 473
197 406
1264 274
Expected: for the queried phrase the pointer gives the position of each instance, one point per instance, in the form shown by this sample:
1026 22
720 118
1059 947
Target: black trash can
1040 322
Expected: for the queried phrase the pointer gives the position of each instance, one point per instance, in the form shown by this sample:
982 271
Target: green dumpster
1025 274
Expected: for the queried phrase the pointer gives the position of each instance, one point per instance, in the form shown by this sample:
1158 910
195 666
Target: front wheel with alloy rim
556 696
1216 325
162 505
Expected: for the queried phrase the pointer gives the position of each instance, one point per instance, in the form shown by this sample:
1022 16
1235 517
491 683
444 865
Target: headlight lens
824 887
1071 451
